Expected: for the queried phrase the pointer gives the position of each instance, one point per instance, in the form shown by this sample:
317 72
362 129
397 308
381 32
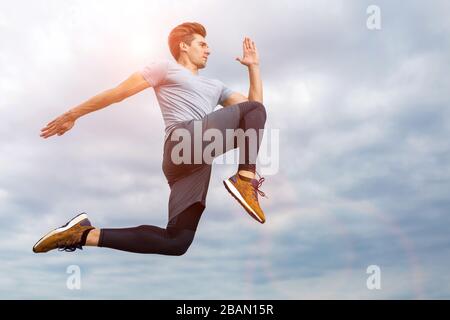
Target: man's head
187 42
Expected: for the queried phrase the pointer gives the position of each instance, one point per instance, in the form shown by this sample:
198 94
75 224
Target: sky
362 154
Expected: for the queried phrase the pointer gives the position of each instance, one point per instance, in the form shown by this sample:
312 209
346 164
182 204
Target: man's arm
256 90
251 60
233 99
131 86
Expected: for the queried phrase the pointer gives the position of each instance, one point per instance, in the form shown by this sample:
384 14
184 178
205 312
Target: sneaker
245 191
69 237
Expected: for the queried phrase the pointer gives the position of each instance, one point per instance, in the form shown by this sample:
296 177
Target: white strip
238 194
72 222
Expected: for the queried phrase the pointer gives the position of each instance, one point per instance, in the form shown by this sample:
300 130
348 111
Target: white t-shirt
182 95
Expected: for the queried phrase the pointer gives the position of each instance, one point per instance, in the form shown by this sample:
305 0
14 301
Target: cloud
363 123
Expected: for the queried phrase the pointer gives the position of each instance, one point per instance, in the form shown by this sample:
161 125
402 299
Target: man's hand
59 126
250 53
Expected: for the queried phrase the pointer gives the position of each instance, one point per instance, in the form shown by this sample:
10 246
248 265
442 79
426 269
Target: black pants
174 240
179 233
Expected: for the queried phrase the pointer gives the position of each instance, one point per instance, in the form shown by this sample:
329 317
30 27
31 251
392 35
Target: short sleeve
155 73
224 94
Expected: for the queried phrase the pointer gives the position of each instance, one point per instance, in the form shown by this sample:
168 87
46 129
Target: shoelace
70 248
260 182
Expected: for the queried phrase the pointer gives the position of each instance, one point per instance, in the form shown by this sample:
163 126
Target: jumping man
187 101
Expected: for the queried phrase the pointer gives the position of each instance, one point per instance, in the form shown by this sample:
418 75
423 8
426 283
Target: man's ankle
247 174
93 237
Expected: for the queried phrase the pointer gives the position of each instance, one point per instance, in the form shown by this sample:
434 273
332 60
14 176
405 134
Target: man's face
198 51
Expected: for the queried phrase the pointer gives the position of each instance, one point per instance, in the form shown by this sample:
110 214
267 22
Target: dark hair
184 33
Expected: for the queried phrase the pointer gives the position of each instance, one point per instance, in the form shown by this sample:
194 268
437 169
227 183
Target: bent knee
256 104
181 252
264 112
253 106
261 109
180 249
181 243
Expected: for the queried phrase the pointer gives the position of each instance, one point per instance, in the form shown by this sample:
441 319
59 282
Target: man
187 101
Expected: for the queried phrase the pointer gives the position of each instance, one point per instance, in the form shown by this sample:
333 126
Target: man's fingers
52 122
48 128
45 136
251 44
247 44
45 130
49 134
49 131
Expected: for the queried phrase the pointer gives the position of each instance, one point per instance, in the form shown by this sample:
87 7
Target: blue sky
363 122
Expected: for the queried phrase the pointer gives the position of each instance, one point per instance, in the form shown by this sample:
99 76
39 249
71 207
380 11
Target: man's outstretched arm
134 84
251 60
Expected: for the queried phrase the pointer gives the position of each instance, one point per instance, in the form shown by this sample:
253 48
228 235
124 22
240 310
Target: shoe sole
237 195
65 227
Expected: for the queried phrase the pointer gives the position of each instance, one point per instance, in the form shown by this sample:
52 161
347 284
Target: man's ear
183 46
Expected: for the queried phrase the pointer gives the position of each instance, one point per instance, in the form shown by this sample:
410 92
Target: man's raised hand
250 53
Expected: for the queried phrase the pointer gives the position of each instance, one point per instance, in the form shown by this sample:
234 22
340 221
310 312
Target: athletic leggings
253 115
179 233
173 241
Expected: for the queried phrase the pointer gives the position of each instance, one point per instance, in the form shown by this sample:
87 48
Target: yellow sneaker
69 237
245 191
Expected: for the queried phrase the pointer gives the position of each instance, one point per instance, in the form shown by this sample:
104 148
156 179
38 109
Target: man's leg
174 240
246 115
253 117
244 186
